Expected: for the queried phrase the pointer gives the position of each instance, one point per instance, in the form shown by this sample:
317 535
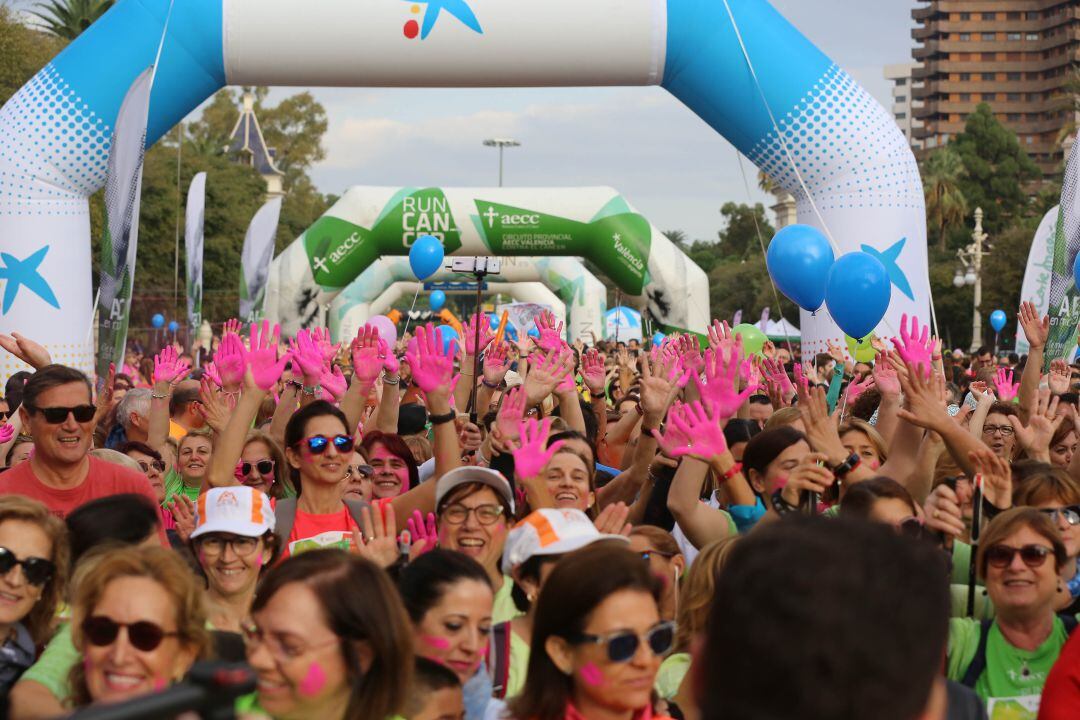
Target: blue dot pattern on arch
58 147
846 145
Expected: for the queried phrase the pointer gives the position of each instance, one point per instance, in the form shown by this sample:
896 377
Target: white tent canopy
782 330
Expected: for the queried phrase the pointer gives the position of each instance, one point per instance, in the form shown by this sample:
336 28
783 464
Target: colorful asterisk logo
458 8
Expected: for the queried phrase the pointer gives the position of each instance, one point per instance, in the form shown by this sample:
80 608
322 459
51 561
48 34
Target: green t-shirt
174 485
504 609
519 665
1012 683
53 667
672 672
984 606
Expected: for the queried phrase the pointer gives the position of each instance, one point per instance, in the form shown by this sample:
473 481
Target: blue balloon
1076 270
857 292
158 320
173 326
438 299
998 318
426 256
799 258
449 335
658 338
494 320
533 332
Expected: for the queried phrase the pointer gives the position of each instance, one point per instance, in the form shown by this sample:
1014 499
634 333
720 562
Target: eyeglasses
280 650
36 570
215 544
158 465
58 415
622 645
265 467
1001 556
1071 514
317 444
4 414
485 514
1005 430
144 635
360 471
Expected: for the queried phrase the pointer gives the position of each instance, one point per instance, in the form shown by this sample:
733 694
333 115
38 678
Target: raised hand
690 354
210 371
307 355
720 337
469 334
423 534
230 361
720 388
231 327
697 432
1006 388
922 399
432 366
915 349
551 332
214 406
1036 329
264 366
1036 436
390 361
592 371
25 349
777 376
496 363
366 360
183 512
511 414
168 368
333 384
943 513
810 476
612 520
375 540
547 373
661 380
836 352
855 389
997 477
321 337
885 378
1060 375
531 454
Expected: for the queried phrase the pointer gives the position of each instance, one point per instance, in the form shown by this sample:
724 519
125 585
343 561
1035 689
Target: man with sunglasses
58 412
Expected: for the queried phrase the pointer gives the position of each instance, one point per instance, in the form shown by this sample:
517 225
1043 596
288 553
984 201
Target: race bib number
1024 707
334 539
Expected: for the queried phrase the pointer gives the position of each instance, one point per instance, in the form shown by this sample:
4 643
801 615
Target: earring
531 597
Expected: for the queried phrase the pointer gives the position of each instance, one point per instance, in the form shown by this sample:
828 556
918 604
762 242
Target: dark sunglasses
57 415
102 631
1001 556
158 465
317 444
1071 513
360 471
265 467
622 645
37 571
4 414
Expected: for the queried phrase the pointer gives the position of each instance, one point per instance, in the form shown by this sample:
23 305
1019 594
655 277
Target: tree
946 206
23 51
67 19
746 230
995 169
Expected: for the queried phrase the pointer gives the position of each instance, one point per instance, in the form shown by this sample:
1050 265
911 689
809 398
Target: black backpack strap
978 663
500 663
284 517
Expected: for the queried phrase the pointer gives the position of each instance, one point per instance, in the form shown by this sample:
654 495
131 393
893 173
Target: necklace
1025 671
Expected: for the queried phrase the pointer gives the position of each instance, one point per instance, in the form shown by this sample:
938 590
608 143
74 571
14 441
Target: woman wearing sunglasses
449 597
1006 660
329 639
598 639
139 622
33 571
233 541
262 466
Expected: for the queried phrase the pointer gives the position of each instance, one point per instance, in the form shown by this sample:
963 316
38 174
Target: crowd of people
539 530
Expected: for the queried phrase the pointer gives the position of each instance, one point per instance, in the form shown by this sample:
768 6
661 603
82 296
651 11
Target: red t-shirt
103 479
316 532
1061 693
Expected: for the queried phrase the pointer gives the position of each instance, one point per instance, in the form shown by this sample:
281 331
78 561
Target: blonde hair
116 458
420 447
871 433
698 589
167 569
783 417
282 487
39 621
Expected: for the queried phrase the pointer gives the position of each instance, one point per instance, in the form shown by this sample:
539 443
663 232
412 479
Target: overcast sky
667 162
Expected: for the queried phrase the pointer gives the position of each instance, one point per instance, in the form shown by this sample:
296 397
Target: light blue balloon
173 326
438 300
426 256
857 292
658 338
533 332
998 318
1076 270
799 258
494 320
449 335
158 320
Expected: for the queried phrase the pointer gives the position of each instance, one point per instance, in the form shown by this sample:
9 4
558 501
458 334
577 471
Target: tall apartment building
1016 55
903 102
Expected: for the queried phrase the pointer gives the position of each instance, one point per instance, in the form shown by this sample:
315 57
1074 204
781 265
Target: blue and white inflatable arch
54 133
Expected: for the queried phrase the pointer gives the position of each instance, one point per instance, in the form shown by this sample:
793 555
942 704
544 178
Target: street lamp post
501 143
970 273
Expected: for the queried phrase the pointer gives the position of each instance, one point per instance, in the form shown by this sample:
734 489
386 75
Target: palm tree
946 205
1069 102
68 18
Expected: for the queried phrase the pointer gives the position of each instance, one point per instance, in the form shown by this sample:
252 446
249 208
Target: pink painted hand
855 389
232 326
306 354
389 360
333 384
469 332
531 454
915 349
496 363
720 337
885 377
720 386
551 332
695 431
511 414
366 359
7 431
423 534
1006 388
777 376
432 367
210 371
262 359
168 367
321 337
690 354
229 361
592 371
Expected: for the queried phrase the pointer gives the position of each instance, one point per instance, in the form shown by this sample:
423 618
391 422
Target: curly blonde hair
39 621
166 568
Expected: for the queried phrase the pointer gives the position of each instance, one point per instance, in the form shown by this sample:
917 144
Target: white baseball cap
550 531
473 474
237 509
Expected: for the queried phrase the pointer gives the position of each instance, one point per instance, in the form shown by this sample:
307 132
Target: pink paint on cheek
259 560
780 483
202 558
592 675
874 464
314 681
160 684
434 641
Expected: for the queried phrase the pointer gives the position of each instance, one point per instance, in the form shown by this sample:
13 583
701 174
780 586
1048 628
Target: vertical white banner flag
193 249
123 188
255 259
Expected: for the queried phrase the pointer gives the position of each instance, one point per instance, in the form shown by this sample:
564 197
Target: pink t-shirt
103 479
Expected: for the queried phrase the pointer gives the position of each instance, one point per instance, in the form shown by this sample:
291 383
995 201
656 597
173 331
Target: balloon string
408 316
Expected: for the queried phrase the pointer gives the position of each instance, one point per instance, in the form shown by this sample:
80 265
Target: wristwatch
442 419
782 506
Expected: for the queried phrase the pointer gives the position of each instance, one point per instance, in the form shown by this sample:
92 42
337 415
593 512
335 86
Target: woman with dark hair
393 462
449 597
598 639
262 466
329 639
883 500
